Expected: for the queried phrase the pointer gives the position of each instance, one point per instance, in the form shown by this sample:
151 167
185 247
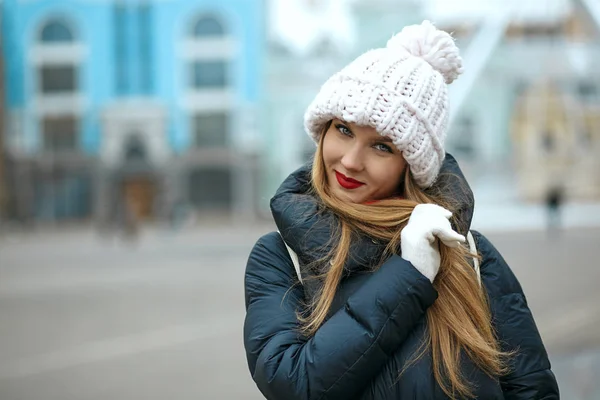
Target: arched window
209 74
56 32
57 76
207 27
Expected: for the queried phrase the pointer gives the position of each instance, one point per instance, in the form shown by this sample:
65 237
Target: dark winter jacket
377 320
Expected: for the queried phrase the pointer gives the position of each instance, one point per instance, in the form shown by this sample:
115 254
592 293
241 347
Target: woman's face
361 165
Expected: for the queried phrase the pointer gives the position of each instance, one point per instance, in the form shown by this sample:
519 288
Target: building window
121 52
146 74
207 64
135 150
588 92
521 87
57 74
59 133
56 32
209 68
58 79
211 130
542 30
63 194
548 142
207 27
591 124
210 188
209 74
532 31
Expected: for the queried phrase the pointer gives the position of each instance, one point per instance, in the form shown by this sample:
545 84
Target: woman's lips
347 183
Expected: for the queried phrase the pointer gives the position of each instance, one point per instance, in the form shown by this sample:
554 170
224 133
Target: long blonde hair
459 320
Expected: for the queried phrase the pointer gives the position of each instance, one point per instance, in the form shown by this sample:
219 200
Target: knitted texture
401 91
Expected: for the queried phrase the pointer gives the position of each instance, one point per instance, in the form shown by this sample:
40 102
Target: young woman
387 302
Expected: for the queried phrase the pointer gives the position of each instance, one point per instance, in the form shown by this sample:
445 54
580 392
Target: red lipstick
347 183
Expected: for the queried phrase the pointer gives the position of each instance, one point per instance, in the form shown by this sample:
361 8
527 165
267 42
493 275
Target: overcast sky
300 24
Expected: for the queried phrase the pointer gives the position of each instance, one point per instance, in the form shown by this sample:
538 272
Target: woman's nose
352 160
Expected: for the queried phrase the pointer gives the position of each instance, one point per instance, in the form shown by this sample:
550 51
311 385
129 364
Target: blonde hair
459 320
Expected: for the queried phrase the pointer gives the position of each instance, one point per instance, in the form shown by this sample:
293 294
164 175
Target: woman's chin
349 196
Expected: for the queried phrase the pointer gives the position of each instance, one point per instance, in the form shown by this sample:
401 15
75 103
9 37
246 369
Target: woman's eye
384 147
343 130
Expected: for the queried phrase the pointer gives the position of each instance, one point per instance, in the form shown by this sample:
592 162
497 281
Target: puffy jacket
377 321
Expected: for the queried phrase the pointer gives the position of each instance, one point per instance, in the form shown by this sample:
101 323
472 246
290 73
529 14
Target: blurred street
89 317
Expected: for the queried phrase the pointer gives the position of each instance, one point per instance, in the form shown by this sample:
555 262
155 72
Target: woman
386 303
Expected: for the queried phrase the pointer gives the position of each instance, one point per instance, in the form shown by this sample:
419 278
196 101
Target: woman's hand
419 239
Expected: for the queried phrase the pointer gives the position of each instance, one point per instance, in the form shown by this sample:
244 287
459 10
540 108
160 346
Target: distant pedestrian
554 200
369 291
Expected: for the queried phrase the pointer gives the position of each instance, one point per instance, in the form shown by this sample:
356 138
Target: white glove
419 238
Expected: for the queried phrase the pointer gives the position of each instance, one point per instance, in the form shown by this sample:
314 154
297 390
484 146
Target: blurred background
141 140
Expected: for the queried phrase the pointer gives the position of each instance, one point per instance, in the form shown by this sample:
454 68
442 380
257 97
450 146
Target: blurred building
133 107
528 113
507 133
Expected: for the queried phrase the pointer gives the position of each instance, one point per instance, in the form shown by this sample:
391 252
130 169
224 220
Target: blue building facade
134 102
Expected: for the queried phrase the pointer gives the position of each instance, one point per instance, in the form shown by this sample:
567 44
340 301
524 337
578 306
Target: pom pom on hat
434 46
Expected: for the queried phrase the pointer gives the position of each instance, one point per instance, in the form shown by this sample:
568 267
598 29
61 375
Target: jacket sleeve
348 350
530 376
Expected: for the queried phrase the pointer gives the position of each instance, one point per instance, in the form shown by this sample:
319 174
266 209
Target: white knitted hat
401 91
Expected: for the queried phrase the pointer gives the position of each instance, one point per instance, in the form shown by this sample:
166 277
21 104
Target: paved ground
84 317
